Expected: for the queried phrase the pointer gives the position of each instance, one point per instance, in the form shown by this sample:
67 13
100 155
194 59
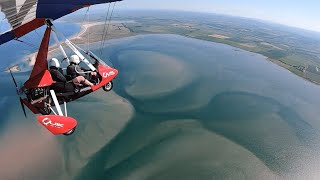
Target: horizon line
225 14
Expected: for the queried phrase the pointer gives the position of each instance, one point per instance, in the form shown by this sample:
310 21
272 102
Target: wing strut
41 63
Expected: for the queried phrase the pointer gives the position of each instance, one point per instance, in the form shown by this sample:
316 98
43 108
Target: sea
181 108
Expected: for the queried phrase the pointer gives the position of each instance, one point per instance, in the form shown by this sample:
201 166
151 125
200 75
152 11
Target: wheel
108 87
70 132
45 111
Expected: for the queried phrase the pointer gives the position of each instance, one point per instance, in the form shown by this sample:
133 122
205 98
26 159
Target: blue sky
299 13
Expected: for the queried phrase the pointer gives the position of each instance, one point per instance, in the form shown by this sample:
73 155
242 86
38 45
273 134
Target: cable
28 44
29 39
37 33
81 24
88 38
104 29
108 27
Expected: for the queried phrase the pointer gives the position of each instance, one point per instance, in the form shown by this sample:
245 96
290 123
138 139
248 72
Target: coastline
92 33
286 66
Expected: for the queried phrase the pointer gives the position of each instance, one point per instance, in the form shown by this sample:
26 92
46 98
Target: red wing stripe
26 28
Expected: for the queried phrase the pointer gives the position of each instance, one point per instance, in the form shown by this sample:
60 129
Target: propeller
17 89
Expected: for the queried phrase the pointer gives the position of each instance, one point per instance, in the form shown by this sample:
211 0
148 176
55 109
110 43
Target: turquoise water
174 82
184 109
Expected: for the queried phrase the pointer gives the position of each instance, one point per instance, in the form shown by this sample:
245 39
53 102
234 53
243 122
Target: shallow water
186 109
268 115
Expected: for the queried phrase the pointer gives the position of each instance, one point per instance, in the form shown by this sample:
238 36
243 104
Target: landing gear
70 132
108 87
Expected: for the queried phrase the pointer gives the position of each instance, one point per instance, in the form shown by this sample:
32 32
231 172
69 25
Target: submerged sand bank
28 151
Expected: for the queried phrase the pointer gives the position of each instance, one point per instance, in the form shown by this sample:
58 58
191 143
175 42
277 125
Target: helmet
75 59
54 62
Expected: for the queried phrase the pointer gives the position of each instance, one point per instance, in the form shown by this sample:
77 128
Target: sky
298 13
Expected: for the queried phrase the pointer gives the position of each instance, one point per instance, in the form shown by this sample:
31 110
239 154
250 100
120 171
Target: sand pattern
227 119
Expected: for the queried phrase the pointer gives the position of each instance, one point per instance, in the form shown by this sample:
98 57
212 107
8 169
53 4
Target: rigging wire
89 52
37 33
29 39
26 43
114 4
81 25
84 18
88 38
104 28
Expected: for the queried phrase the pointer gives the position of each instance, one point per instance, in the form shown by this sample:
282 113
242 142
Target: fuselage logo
106 75
48 122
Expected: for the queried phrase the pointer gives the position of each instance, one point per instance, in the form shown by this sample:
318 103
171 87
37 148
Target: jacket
57 74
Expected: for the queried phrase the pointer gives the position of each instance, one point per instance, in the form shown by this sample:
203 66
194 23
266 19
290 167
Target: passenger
78 74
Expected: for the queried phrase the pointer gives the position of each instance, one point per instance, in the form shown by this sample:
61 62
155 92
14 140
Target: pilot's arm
78 69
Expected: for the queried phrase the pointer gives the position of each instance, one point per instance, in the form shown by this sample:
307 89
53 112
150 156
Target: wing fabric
27 15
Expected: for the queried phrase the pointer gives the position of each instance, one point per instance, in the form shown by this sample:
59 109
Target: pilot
78 74
56 71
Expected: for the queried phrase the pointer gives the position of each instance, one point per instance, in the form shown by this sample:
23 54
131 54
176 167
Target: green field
292 50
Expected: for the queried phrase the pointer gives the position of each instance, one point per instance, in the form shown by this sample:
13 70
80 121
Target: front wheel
108 87
70 132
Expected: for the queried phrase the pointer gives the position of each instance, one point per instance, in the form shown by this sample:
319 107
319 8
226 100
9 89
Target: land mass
294 49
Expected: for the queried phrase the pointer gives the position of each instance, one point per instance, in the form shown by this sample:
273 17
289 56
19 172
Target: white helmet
54 62
75 59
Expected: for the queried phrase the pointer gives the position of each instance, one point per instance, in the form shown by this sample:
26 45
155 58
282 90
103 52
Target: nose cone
115 71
